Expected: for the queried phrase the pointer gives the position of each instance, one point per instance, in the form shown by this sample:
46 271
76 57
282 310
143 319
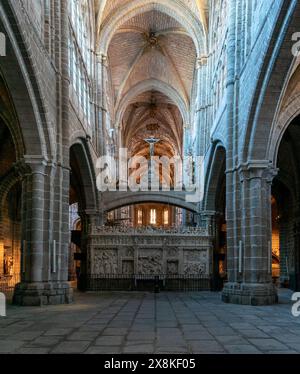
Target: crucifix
151 141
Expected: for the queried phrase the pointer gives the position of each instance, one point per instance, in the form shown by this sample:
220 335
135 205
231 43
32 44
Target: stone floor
148 323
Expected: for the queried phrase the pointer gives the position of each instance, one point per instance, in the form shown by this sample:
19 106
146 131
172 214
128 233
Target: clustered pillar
250 258
43 259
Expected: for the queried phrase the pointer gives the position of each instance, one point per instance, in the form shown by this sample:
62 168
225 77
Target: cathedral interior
215 80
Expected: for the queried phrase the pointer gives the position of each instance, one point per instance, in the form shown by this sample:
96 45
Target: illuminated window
166 217
140 217
153 217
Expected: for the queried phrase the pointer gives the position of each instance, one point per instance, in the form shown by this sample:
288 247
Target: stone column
101 67
186 139
42 279
250 261
201 110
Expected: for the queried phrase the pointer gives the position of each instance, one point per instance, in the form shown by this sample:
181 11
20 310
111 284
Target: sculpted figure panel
194 268
106 261
150 262
196 262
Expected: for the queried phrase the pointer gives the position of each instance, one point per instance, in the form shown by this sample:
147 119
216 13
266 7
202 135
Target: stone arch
115 200
12 172
80 154
267 97
9 119
215 172
284 119
286 197
148 85
214 211
176 10
21 82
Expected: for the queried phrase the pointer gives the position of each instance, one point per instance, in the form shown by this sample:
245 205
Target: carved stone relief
106 261
150 262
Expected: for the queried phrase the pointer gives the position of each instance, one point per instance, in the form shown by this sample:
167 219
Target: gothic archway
214 208
82 200
286 192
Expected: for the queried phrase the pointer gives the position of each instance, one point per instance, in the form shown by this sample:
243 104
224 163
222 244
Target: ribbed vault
152 49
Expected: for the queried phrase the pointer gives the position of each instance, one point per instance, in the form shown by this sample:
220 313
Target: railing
125 230
7 285
137 282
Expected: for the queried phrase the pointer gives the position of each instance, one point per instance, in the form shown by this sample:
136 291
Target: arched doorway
285 207
214 209
82 201
10 213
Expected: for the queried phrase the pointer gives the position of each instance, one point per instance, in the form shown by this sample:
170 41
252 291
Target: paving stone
33 351
58 332
241 326
232 340
221 331
172 350
255 333
203 346
141 336
197 335
88 335
71 347
139 349
110 340
268 344
241 349
26 335
10 346
103 350
115 331
45 341
97 328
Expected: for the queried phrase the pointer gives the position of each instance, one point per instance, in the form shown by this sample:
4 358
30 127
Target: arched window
140 217
166 217
153 217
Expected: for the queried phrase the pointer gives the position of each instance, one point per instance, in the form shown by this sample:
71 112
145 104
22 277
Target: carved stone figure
106 262
150 262
194 268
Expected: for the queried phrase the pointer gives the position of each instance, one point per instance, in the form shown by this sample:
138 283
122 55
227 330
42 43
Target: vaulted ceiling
152 114
152 49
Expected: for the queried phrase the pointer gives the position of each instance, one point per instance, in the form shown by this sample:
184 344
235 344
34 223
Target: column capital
258 169
102 58
201 61
32 164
